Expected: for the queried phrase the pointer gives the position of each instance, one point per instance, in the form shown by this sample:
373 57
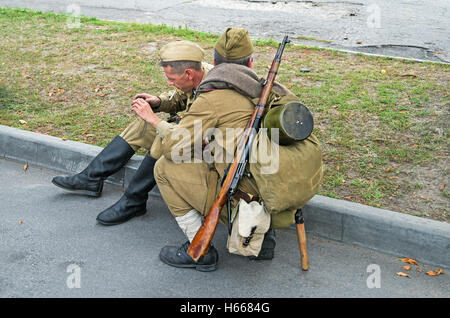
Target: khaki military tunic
193 185
139 134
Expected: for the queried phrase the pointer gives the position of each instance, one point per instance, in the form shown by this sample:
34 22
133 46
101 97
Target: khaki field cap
234 44
181 51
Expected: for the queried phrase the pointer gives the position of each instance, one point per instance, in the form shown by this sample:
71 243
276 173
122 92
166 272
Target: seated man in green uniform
184 69
224 103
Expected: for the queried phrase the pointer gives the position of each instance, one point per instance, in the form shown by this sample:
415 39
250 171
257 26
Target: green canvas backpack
287 176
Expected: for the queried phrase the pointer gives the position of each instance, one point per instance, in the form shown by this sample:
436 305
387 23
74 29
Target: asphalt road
51 246
407 28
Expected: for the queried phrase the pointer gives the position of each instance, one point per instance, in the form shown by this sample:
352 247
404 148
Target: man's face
182 81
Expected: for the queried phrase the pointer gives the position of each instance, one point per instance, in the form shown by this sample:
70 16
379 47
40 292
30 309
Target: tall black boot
134 201
90 181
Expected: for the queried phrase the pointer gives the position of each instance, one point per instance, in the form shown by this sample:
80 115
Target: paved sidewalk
48 235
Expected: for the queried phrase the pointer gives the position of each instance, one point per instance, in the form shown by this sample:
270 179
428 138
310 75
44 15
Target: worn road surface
405 28
48 235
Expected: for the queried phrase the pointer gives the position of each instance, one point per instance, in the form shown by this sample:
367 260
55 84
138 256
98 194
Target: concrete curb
399 234
54 153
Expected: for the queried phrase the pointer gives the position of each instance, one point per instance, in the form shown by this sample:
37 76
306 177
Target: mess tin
294 121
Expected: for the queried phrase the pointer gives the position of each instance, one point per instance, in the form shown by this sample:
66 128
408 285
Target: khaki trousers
139 134
187 186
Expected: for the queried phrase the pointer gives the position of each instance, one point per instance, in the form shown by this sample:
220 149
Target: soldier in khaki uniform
184 69
189 187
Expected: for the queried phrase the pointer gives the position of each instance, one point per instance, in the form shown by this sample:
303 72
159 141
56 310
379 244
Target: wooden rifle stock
202 240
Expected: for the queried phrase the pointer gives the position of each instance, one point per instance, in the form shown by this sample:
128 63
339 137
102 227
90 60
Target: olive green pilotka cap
234 44
181 51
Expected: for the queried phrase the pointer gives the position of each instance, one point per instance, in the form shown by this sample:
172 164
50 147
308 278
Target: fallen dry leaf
409 261
25 167
437 272
403 274
419 270
20 222
406 267
22 122
64 138
442 187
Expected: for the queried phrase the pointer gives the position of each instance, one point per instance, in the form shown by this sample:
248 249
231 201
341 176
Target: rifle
201 242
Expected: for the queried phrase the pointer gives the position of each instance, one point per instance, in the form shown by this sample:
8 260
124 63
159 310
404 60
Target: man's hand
143 110
154 101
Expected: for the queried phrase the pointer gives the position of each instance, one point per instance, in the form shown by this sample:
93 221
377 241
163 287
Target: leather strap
245 196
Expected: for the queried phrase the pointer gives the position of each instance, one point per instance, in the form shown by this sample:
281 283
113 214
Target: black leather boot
90 181
268 247
178 257
134 201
